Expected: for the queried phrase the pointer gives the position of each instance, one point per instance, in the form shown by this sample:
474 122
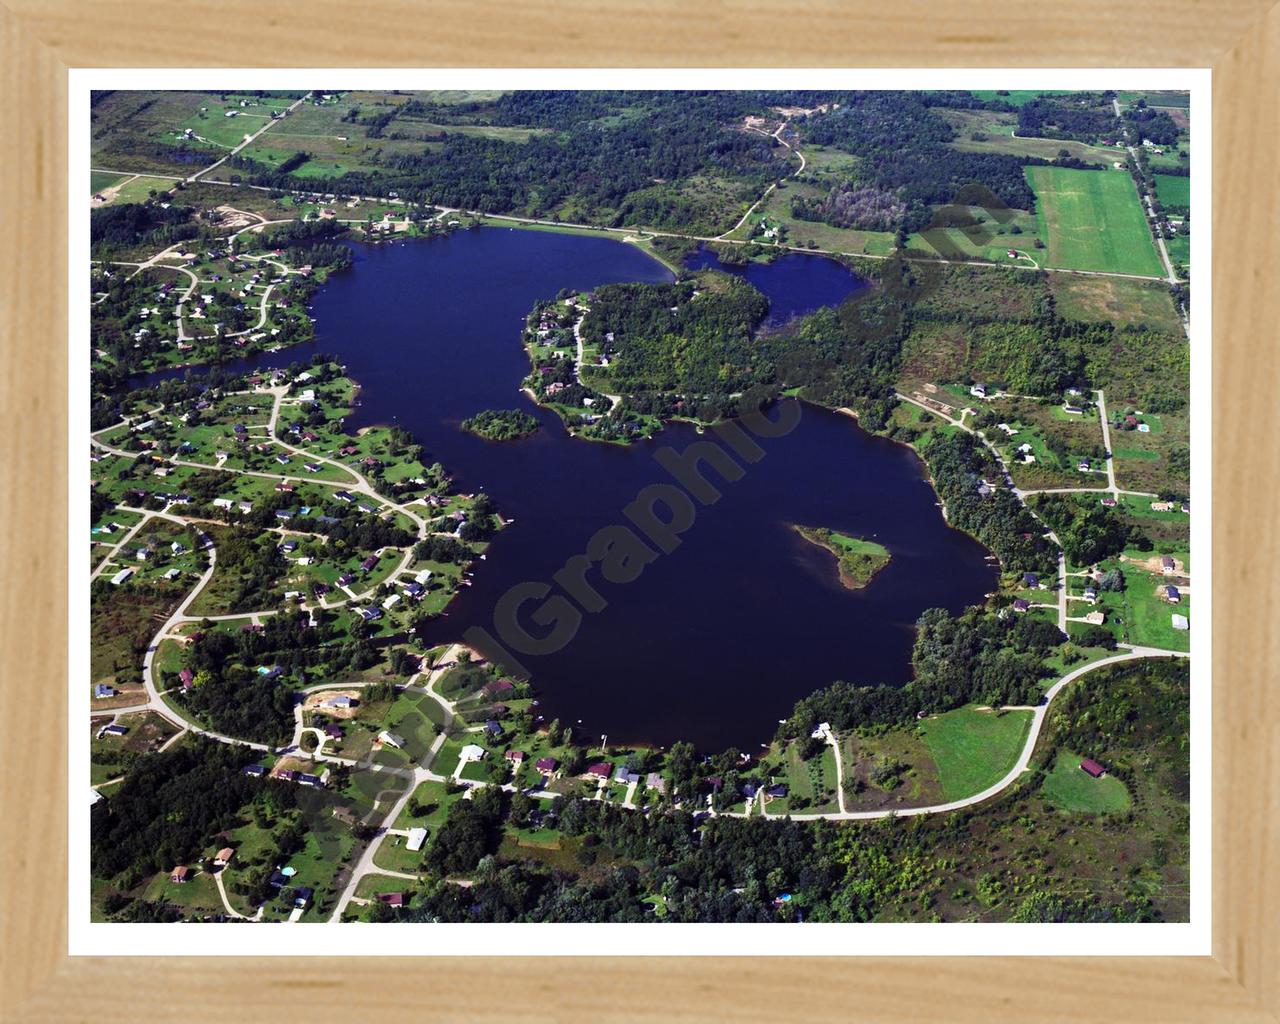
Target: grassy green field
1157 99
1150 617
98 180
1017 97
138 189
1093 220
1173 191
974 749
1069 788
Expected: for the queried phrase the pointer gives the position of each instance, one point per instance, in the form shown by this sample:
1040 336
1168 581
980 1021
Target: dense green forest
901 145
958 465
501 424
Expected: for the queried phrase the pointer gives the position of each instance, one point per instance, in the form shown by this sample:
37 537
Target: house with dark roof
626 776
1031 580
1172 593
1021 605
546 765
114 729
1091 767
255 770
303 895
601 770
188 678
392 899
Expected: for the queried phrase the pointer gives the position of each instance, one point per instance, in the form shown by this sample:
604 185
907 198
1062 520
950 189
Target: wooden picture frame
1239 39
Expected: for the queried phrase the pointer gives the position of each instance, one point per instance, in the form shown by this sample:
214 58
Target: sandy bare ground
315 702
1152 565
237 219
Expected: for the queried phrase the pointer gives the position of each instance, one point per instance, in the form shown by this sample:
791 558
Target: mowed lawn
974 749
1093 220
1069 788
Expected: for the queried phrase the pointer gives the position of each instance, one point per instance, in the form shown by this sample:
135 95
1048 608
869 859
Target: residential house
1091 767
416 839
391 739
223 857
601 770
546 765
180 874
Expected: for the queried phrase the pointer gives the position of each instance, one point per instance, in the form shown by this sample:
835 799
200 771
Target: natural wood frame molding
39 41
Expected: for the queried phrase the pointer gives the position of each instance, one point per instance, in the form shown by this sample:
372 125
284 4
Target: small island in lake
501 424
858 560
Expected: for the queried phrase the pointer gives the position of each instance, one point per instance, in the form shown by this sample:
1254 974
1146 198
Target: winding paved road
1038 714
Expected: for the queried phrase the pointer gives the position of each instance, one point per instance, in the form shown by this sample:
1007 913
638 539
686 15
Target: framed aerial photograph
737 514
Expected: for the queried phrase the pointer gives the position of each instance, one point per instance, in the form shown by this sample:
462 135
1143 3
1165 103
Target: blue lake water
794 285
716 641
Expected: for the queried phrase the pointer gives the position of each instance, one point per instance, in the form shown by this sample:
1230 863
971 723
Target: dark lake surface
794 285
716 641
